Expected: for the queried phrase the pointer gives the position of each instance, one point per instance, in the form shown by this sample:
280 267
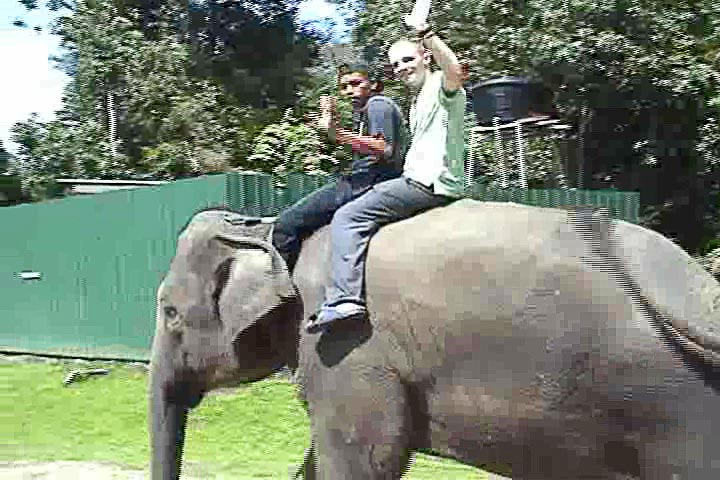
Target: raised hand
417 19
328 102
328 112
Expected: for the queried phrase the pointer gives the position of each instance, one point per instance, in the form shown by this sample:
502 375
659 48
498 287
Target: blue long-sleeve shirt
381 116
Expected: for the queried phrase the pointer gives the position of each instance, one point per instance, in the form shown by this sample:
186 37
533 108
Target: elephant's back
502 312
444 255
465 224
473 269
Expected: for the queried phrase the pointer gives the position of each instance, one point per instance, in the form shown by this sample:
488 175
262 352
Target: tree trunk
112 122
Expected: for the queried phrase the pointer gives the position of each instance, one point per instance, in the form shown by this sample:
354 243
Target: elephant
534 343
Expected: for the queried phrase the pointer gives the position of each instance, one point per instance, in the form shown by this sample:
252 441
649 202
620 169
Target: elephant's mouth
185 390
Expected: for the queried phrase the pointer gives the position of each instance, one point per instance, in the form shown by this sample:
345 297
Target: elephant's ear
253 283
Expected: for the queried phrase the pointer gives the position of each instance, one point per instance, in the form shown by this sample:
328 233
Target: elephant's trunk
168 412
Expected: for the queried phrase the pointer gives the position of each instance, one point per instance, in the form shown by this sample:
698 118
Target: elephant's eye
170 312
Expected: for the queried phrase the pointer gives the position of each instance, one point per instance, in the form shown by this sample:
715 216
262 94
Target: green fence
620 205
265 195
100 258
257 194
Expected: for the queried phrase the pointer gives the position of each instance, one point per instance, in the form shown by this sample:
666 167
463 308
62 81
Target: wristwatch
424 35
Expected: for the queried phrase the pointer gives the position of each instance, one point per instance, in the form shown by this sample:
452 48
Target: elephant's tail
680 298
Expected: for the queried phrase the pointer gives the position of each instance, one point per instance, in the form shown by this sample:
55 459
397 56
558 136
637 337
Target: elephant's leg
361 428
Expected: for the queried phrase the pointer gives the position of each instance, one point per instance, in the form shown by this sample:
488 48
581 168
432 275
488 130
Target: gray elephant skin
531 342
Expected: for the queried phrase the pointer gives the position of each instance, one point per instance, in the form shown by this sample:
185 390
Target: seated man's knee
284 235
345 215
351 218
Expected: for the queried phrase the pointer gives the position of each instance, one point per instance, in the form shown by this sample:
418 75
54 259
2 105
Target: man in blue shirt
376 141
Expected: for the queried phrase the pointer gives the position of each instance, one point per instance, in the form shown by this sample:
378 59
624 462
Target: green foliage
4 159
151 98
253 49
290 146
542 160
645 72
10 186
709 259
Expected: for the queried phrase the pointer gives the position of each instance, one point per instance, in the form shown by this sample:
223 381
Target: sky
30 84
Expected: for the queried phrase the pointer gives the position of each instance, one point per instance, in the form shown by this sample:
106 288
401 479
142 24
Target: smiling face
408 62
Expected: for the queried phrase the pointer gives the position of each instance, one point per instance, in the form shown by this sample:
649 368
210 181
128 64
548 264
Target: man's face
407 62
355 85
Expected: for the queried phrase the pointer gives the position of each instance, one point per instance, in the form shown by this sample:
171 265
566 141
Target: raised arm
363 144
444 56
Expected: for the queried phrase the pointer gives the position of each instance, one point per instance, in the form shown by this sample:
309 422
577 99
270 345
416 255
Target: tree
641 77
10 187
35 173
4 159
166 89
254 49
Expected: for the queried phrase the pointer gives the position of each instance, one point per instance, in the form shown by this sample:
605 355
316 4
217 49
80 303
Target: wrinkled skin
534 343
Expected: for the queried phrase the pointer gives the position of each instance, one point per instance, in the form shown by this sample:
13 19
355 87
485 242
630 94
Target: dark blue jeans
317 209
354 224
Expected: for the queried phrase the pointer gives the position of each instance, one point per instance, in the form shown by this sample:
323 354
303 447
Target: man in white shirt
432 175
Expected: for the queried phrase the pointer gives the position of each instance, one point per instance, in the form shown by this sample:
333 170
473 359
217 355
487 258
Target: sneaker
330 315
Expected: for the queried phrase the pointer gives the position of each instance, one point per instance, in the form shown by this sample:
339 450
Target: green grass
254 432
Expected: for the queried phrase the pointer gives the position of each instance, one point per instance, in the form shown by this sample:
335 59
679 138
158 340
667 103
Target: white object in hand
419 14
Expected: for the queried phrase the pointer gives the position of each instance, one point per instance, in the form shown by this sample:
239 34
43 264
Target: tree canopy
641 78
171 88
165 88
4 158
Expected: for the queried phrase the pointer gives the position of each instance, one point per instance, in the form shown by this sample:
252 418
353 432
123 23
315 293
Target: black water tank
509 98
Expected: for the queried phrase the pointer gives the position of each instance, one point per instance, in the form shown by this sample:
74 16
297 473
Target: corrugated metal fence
100 258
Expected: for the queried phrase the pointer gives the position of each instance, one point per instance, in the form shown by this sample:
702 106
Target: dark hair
357 67
376 85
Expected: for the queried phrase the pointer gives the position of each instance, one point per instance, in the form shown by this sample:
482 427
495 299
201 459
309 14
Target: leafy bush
542 162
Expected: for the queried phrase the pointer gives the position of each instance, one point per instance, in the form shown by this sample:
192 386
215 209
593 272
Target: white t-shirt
436 153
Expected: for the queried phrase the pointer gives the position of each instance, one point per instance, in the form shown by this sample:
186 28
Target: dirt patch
67 470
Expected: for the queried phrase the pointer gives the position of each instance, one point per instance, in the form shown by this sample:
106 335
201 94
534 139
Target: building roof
84 186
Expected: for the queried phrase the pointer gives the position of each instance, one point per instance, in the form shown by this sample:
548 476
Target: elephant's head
228 303
226 310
